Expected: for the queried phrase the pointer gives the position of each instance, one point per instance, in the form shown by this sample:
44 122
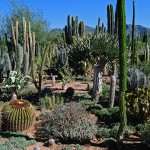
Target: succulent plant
18 115
49 102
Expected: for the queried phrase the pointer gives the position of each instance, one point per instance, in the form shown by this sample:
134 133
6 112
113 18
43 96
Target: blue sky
56 11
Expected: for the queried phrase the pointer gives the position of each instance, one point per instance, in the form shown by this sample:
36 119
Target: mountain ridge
139 29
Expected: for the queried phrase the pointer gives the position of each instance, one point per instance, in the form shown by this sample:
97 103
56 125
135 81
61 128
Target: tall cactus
116 20
81 28
123 66
110 19
133 53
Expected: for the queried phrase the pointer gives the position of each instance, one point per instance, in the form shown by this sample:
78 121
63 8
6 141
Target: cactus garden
74 87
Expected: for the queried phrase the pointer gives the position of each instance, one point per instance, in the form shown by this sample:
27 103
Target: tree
123 66
39 24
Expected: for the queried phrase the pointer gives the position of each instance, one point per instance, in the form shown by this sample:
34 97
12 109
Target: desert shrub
95 108
73 146
138 103
68 123
16 143
108 115
112 133
27 91
103 133
86 103
145 132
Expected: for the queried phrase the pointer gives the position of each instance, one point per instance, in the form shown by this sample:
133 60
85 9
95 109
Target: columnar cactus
18 115
110 19
133 53
123 66
81 28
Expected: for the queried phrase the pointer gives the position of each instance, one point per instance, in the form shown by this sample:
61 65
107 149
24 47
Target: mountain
138 29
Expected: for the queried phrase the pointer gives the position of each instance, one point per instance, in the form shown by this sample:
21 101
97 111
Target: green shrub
16 143
108 115
103 133
145 132
73 146
68 123
87 103
105 91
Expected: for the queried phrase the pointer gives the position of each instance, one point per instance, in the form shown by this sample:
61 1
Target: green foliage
73 146
145 132
105 91
40 25
68 123
16 143
103 133
16 81
18 115
112 133
66 75
88 103
108 115
50 101
138 104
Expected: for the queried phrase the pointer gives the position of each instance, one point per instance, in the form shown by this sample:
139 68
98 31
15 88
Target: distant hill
138 29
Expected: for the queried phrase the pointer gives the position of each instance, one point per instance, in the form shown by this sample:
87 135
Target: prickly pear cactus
18 115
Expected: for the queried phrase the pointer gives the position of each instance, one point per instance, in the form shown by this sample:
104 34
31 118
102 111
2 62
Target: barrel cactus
18 115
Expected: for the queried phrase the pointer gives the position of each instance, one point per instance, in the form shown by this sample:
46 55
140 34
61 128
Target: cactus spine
123 66
18 115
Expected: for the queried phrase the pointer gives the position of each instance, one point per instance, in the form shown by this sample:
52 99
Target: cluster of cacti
18 115
100 28
50 101
138 104
110 19
62 56
73 29
136 79
19 52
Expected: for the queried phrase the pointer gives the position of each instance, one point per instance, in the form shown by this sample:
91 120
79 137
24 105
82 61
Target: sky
56 11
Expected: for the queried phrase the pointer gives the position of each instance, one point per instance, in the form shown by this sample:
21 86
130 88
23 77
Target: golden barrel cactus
18 115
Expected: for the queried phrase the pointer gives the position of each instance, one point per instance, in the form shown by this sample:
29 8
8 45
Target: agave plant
15 82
